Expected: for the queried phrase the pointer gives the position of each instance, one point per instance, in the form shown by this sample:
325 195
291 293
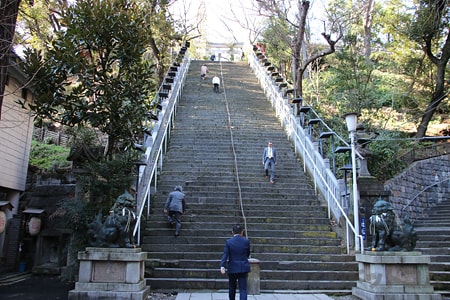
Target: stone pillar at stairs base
111 273
394 275
253 280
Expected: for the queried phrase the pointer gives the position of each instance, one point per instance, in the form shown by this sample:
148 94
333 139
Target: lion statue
115 231
387 234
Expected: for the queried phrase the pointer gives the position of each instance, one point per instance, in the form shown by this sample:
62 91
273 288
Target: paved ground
35 287
224 296
27 287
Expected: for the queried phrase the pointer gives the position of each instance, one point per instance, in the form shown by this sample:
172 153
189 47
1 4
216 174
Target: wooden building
16 131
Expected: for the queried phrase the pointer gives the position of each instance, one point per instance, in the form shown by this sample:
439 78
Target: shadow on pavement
35 287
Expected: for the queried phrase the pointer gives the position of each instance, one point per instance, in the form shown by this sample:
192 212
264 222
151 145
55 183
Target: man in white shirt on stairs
269 160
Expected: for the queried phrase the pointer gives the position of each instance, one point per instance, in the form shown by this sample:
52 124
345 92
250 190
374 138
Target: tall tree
8 18
302 58
431 30
369 8
278 34
159 28
94 72
38 22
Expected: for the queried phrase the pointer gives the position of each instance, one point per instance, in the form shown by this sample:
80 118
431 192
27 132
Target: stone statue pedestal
111 273
394 275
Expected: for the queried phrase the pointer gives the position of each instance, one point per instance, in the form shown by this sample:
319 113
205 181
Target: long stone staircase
434 240
215 153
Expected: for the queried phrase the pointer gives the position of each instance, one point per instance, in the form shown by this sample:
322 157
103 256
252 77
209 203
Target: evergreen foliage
48 157
94 73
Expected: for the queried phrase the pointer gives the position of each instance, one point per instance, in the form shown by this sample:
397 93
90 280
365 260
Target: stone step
288 228
307 265
441 286
213 202
440 259
170 183
317 241
443 224
297 230
432 231
192 218
253 197
190 230
259 185
210 154
255 248
286 275
440 275
431 251
262 211
431 218
223 173
432 244
346 260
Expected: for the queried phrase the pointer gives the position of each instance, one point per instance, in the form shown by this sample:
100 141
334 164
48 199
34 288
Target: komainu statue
387 234
116 230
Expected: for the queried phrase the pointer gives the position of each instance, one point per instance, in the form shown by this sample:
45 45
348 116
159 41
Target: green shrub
48 157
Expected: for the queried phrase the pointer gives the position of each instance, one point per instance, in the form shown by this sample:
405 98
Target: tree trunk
437 98
298 49
8 19
368 18
437 12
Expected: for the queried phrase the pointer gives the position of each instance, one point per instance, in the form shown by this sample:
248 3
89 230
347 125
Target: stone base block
104 295
111 273
394 276
367 295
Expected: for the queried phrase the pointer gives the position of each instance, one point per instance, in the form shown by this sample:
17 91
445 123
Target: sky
219 17
221 12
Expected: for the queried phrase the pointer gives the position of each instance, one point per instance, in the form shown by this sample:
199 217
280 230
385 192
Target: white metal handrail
324 179
156 144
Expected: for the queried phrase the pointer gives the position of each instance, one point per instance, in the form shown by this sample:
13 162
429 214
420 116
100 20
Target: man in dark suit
236 252
269 159
174 207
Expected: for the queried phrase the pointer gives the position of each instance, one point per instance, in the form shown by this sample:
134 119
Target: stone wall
424 184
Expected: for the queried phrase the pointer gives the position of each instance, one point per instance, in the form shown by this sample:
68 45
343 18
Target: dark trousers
216 87
233 281
175 217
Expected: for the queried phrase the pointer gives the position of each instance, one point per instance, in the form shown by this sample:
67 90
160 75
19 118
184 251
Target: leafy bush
48 157
387 151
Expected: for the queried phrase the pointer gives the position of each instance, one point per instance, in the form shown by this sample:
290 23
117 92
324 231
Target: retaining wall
424 184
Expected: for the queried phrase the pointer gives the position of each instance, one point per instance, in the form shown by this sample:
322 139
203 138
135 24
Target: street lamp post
351 120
